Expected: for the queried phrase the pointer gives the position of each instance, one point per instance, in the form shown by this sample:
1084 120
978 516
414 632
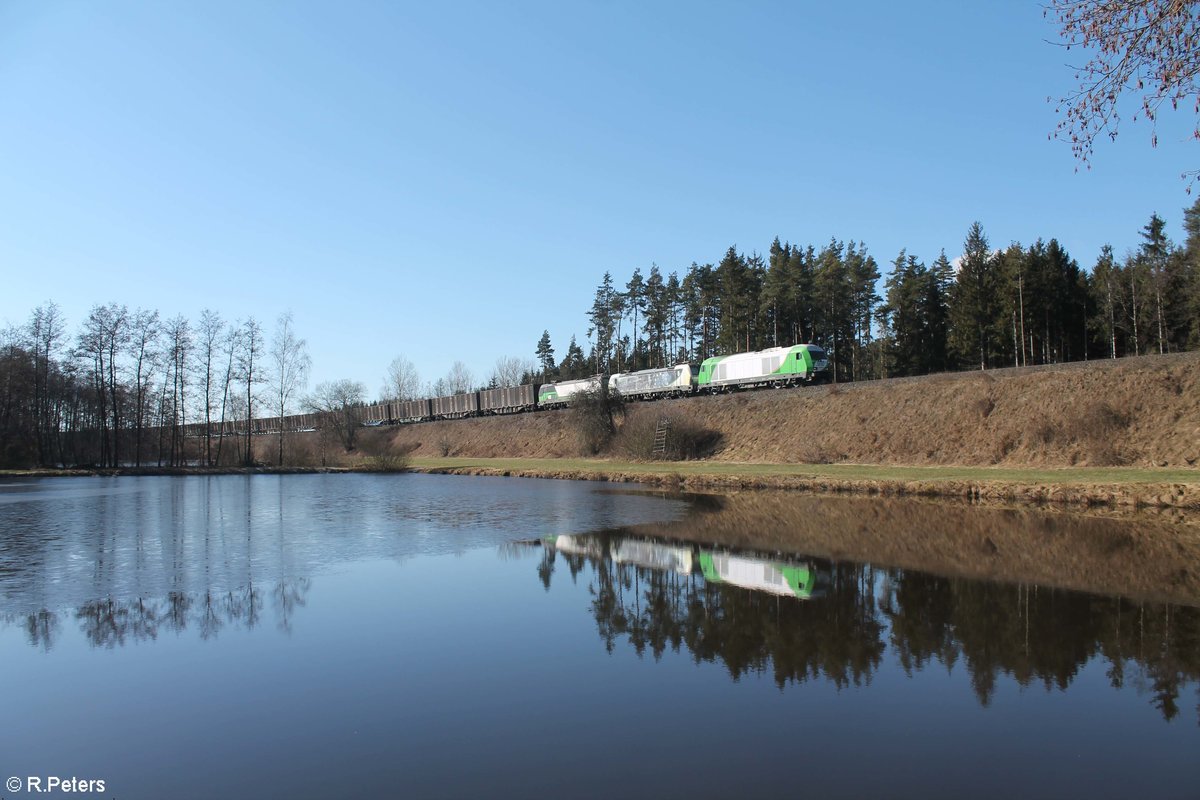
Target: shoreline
1084 488
1077 487
116 472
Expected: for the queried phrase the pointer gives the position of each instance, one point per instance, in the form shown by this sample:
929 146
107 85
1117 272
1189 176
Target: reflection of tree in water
1030 634
112 623
288 596
42 627
838 638
1039 635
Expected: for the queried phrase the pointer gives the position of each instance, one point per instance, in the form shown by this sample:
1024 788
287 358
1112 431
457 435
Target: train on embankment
778 366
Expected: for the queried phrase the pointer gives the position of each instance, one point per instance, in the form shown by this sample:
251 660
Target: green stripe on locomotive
801 579
798 361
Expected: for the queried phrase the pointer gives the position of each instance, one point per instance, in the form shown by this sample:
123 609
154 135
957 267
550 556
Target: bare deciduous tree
402 381
100 342
249 355
459 379
290 362
143 350
231 343
510 369
339 404
173 405
47 330
212 328
1150 47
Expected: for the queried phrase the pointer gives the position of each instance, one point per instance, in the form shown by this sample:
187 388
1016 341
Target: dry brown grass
685 440
1136 412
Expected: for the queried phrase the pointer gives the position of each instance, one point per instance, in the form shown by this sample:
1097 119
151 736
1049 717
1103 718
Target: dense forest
996 307
119 390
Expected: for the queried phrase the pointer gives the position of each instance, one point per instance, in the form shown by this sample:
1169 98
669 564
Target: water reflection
793 587
799 618
108 623
65 542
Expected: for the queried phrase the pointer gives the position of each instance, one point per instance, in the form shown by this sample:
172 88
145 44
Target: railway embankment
1100 432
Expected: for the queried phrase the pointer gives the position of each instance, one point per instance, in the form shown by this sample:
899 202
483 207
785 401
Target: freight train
778 366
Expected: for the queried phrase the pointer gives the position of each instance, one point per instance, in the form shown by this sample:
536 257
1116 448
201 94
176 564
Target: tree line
119 391
1013 306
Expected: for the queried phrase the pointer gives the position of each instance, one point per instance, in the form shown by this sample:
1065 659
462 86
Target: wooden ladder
660 436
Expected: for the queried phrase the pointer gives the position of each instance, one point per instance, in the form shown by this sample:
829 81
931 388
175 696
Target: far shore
86 472
1074 486
1080 486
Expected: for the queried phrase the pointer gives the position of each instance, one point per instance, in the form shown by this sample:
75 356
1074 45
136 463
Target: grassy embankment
1103 432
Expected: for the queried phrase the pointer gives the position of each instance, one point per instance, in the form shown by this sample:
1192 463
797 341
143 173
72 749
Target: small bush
816 454
594 414
385 463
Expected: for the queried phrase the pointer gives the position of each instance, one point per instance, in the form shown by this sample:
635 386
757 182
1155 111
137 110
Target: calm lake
433 636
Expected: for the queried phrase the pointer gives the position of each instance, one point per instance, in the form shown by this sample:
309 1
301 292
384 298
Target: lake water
431 636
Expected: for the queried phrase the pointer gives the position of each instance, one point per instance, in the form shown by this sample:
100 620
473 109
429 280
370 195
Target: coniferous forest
119 390
999 306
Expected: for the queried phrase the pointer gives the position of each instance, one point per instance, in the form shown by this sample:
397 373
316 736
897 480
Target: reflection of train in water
755 573
779 575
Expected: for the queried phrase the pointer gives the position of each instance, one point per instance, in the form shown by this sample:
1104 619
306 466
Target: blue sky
445 180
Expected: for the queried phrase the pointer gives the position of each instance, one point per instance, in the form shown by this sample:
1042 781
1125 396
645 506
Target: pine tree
616 313
635 302
833 307
803 311
658 314
974 309
603 324
1190 274
940 283
904 315
545 357
1172 279
573 365
1105 286
702 315
1011 268
1155 254
1066 327
732 283
777 288
863 274
674 318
